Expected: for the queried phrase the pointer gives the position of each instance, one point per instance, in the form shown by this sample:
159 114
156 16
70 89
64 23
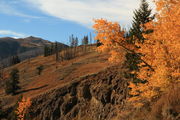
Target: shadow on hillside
32 89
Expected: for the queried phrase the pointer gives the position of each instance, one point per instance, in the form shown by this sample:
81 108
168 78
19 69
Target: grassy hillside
54 73
87 87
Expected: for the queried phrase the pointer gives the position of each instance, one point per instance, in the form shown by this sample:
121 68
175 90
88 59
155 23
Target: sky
56 20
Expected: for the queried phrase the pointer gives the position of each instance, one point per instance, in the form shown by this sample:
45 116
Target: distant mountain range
23 47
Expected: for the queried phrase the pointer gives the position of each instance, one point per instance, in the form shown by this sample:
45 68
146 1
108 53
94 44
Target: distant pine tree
52 49
85 40
76 42
73 41
14 60
40 69
57 51
46 51
12 83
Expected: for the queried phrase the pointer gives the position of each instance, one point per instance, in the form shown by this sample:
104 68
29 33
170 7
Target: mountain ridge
23 47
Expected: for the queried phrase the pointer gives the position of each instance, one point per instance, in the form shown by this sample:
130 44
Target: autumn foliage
111 35
160 52
23 106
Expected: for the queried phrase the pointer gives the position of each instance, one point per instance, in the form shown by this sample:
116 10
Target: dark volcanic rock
94 97
68 105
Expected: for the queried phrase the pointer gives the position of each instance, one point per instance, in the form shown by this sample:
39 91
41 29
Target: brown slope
54 74
94 97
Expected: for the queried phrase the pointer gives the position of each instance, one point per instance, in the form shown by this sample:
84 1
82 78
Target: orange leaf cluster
112 37
23 106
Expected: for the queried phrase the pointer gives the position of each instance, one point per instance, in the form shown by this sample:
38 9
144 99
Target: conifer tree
14 60
46 51
76 42
141 17
12 83
57 51
98 43
85 40
71 40
40 69
52 49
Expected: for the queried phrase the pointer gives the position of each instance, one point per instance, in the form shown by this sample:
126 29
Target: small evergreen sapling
40 69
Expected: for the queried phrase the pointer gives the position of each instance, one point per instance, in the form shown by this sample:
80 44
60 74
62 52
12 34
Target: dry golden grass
168 106
55 74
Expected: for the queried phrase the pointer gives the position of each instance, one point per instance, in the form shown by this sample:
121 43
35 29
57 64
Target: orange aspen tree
112 38
161 50
23 106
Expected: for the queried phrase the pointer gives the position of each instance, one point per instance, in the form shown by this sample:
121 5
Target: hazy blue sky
56 20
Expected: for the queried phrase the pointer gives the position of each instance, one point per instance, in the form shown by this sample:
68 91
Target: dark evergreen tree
141 17
46 51
49 50
40 69
71 53
14 60
52 49
135 34
85 40
76 42
12 83
98 43
57 51
73 41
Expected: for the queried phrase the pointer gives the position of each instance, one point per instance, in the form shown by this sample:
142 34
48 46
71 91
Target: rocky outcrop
92 97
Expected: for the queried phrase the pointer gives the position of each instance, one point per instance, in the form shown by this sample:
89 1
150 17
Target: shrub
40 69
23 106
168 106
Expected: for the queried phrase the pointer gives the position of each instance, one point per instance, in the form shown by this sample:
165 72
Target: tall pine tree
141 17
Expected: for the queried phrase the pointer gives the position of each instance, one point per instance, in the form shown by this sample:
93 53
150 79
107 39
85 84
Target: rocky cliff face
93 97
